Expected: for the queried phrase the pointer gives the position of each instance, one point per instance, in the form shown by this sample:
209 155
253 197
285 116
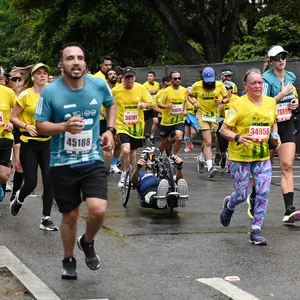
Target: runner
278 83
105 65
209 94
7 103
35 148
247 126
69 109
131 98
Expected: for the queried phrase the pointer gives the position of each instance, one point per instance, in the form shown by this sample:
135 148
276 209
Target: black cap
118 69
128 71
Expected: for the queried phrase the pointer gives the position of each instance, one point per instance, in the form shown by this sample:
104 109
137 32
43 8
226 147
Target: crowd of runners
67 125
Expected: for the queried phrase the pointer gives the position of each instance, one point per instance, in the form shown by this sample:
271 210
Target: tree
211 23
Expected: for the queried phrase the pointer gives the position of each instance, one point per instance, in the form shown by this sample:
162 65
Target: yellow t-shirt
225 107
173 116
28 101
149 87
246 117
206 98
100 75
190 107
130 118
157 96
7 102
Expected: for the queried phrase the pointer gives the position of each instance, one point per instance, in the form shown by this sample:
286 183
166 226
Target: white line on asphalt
227 288
35 286
295 176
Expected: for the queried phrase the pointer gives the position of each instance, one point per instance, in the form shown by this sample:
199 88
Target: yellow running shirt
100 75
206 99
245 117
7 102
151 87
130 118
28 101
225 107
173 116
157 96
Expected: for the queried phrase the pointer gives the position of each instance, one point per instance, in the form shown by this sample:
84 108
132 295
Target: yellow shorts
205 125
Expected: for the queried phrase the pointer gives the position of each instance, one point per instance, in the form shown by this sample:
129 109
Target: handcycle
162 169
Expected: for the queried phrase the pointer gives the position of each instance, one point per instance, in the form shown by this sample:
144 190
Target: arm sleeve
193 92
22 99
232 116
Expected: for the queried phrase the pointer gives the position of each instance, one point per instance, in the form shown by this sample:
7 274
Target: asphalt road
148 256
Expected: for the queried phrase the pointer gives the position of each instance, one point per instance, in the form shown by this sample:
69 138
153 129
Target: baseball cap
39 65
228 84
276 50
226 73
118 69
208 74
128 71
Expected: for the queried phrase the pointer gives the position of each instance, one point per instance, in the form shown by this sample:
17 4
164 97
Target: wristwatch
112 129
236 138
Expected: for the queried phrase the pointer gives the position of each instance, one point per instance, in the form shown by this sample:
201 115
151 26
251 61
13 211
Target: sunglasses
15 79
279 56
176 78
2 73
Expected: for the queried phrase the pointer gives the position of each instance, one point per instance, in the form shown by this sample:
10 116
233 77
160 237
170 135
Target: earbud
32 78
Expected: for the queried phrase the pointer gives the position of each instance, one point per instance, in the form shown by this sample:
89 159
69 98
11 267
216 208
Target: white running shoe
183 191
161 194
115 170
8 187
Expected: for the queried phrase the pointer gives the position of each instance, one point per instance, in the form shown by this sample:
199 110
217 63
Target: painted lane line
227 288
34 285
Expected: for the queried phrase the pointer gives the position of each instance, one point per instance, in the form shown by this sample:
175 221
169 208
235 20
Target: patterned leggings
261 172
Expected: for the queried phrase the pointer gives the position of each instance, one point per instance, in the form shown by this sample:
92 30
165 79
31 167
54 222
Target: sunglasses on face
2 73
15 79
279 56
176 78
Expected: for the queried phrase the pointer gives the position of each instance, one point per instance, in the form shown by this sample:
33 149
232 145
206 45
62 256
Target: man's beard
209 86
76 77
113 81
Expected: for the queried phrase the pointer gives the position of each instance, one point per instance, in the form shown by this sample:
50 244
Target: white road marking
35 286
227 288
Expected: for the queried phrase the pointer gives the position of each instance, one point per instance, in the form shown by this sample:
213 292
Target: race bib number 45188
79 141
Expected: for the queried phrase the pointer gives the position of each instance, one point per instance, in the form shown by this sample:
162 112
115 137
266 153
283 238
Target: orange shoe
187 149
191 145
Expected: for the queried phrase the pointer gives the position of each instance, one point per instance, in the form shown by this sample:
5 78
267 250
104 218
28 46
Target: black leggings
32 155
223 143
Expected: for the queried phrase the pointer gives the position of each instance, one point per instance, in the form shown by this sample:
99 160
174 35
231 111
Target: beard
209 86
113 81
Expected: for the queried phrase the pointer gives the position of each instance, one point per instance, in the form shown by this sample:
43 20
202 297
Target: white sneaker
115 170
161 194
183 191
121 183
8 188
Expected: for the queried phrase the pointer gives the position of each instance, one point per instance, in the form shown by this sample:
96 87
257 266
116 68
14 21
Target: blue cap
208 74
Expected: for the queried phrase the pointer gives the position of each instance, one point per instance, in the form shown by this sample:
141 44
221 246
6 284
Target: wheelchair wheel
127 186
170 174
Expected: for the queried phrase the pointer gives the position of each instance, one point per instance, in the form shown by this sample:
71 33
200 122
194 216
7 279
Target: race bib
1 118
283 113
79 141
131 117
207 118
260 133
176 109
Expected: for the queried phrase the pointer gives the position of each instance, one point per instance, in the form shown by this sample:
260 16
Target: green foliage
270 30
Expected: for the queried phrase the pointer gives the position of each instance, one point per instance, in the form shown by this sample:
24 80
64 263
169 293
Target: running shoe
191 145
223 161
257 239
217 159
151 141
250 202
1 193
16 205
212 172
115 170
69 268
200 165
91 258
187 149
226 213
161 194
47 224
8 188
291 215
183 191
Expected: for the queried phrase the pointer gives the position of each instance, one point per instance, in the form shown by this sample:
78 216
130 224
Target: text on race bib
260 133
79 141
207 118
283 112
176 109
1 118
131 117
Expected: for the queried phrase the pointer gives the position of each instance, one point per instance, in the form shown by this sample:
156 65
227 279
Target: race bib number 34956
79 141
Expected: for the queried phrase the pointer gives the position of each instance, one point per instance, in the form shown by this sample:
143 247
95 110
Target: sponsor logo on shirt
93 102
69 105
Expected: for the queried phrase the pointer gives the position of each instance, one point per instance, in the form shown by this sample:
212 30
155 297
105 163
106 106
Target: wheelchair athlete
152 191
